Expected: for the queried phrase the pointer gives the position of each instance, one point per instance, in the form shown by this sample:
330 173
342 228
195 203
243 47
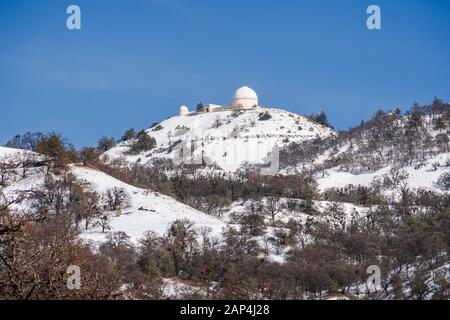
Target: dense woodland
408 236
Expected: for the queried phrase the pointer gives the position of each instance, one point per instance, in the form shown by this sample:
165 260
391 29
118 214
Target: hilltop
228 139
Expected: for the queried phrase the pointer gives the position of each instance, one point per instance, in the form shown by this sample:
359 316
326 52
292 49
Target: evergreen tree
321 118
105 143
89 155
200 107
415 115
128 135
53 146
143 143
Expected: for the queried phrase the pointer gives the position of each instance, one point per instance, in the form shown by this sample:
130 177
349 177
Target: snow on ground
432 275
33 180
15 183
335 178
283 215
174 288
149 210
268 240
17 154
8 152
228 138
424 177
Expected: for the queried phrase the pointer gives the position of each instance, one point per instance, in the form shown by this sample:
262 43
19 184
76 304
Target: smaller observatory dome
184 110
245 98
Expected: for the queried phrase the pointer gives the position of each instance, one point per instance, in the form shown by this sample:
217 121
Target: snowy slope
418 177
10 153
228 138
149 210
6 152
11 161
369 152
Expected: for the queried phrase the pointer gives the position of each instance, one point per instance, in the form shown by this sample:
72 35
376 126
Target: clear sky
135 62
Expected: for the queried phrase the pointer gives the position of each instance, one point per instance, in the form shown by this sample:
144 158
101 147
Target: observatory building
244 98
184 111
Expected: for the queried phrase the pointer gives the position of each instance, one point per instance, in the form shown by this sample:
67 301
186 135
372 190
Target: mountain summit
228 137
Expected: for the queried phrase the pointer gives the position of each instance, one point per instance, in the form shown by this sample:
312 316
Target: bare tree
116 199
7 170
104 221
273 205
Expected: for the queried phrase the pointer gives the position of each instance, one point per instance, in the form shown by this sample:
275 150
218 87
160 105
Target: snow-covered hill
232 138
5 152
10 154
425 176
147 210
388 147
227 138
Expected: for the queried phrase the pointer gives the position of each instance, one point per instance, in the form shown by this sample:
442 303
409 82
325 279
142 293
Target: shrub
143 143
115 199
444 181
320 118
128 135
154 124
89 155
105 143
264 116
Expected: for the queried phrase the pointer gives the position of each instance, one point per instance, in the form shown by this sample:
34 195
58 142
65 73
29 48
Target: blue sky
136 61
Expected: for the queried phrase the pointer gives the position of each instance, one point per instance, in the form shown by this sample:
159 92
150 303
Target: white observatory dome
245 98
184 110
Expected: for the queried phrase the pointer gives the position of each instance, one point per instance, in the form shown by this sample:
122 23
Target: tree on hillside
143 143
89 155
321 118
115 199
7 170
128 135
34 261
182 243
27 141
104 222
437 106
273 205
415 115
200 107
89 207
54 147
253 223
105 143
